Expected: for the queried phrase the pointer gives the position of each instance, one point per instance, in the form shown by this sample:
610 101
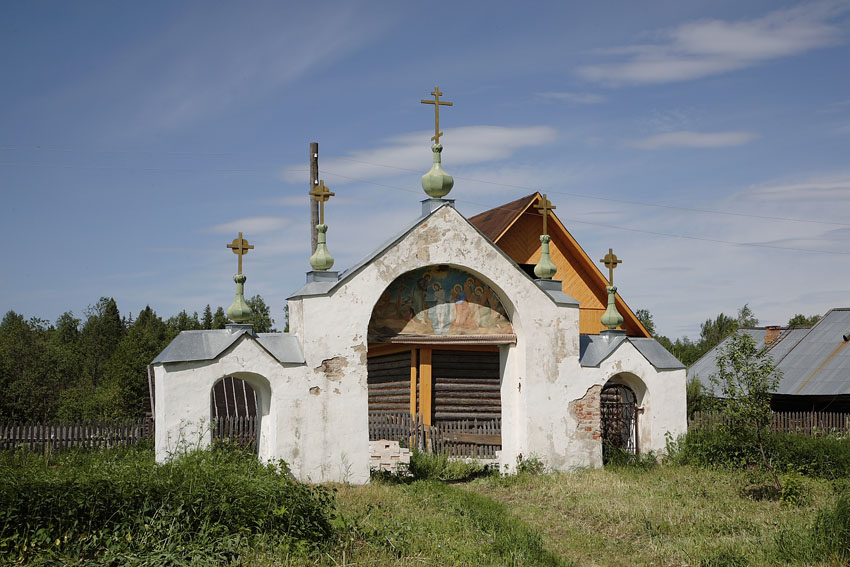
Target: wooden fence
813 423
48 437
466 438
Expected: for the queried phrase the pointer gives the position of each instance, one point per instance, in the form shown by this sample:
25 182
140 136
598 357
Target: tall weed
95 504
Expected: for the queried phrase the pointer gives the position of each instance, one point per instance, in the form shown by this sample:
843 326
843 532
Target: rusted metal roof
494 222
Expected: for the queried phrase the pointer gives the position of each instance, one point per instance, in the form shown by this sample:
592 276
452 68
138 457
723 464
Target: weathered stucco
317 414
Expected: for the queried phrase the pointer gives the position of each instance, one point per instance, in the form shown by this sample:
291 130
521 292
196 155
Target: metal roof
209 345
593 349
813 362
820 363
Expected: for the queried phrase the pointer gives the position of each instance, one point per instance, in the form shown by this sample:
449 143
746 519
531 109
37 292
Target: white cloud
834 189
688 139
575 98
411 152
250 225
707 47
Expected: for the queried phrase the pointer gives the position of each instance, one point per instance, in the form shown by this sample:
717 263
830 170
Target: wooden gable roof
515 228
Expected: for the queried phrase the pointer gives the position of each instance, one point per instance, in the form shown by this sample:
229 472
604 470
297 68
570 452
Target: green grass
222 508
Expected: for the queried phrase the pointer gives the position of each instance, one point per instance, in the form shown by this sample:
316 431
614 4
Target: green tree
102 332
645 317
207 320
745 377
261 318
128 366
219 319
712 332
746 317
286 317
184 322
800 320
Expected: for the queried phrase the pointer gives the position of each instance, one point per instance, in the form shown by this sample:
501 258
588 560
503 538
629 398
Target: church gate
619 417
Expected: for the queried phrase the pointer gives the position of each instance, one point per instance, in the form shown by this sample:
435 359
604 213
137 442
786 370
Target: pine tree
207 321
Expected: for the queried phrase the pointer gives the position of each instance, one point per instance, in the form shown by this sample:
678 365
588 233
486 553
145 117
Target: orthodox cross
437 102
240 247
544 206
610 261
321 194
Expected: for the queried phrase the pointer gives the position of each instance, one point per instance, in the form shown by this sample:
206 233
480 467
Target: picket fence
48 437
465 438
812 423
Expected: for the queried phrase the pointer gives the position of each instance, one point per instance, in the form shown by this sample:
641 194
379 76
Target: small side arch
254 394
621 406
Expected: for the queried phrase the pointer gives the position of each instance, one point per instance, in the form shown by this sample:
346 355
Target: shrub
98 504
824 457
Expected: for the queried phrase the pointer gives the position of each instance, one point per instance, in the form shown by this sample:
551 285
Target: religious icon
438 301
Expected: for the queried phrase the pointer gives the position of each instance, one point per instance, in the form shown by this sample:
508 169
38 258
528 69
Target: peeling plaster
333 368
315 391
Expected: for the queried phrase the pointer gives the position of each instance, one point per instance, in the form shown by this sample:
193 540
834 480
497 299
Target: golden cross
610 260
544 206
437 102
321 194
240 247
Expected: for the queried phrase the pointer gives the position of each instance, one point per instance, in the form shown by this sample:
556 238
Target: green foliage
620 458
118 503
184 322
530 465
746 376
645 317
826 540
219 318
207 320
800 320
791 453
426 466
712 332
697 397
261 318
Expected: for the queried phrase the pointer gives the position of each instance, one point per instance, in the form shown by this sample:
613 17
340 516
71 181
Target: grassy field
677 516
222 508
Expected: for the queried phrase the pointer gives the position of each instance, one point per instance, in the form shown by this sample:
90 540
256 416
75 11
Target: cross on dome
610 261
240 247
544 206
437 103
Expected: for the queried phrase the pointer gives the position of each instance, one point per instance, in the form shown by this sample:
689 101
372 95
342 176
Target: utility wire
387 166
609 226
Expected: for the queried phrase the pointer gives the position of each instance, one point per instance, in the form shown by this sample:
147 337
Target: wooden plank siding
389 382
811 423
466 385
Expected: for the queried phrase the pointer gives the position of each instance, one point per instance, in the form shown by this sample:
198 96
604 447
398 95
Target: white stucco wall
318 412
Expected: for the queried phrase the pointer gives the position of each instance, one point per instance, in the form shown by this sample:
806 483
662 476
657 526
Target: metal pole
314 205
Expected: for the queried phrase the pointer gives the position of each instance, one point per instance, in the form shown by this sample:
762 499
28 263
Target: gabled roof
813 362
208 345
326 287
594 349
496 223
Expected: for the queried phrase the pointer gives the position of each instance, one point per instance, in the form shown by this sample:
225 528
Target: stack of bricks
586 412
387 455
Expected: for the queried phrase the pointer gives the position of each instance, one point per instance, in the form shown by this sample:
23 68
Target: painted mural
438 300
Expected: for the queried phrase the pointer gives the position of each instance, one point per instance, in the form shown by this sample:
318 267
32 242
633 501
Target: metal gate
619 420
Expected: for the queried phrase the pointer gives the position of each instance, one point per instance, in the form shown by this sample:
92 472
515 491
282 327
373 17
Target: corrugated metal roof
820 363
594 349
814 362
209 345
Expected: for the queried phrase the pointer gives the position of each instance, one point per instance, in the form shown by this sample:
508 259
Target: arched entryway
435 338
238 405
619 412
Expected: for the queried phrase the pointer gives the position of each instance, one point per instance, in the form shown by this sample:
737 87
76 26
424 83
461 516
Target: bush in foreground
121 504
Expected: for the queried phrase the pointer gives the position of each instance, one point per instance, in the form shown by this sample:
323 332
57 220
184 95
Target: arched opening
434 364
237 407
619 420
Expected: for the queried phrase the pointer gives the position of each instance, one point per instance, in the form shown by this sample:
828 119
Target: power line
387 166
615 227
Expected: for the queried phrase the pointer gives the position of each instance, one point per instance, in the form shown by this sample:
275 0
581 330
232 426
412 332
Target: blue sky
136 139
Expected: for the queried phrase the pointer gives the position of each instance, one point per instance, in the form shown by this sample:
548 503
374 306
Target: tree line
93 367
713 331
